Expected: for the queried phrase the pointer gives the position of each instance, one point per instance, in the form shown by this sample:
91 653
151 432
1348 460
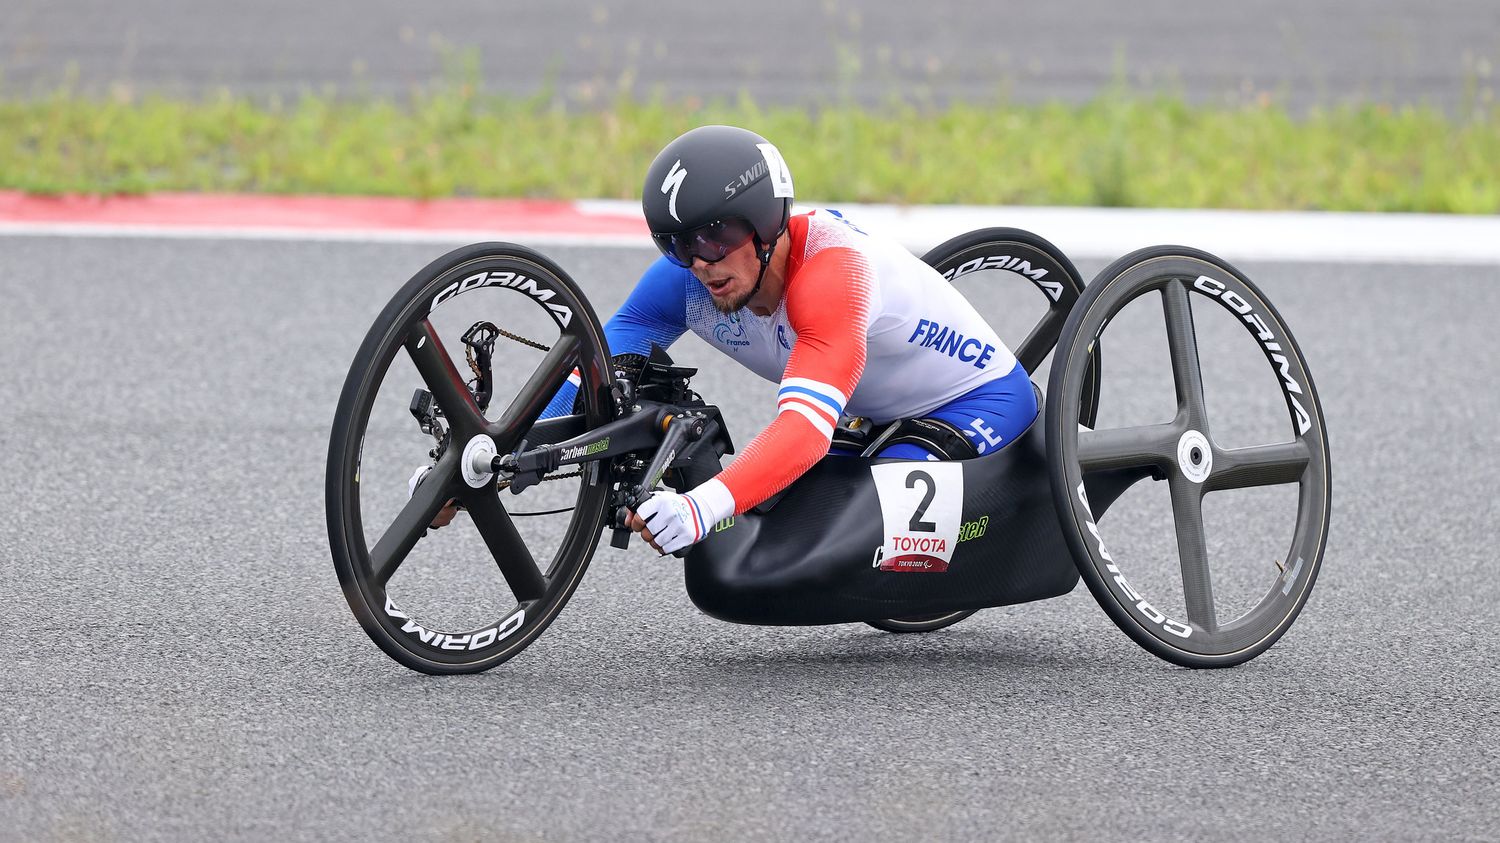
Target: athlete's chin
729 303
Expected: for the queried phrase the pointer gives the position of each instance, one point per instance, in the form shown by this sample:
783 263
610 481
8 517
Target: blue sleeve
655 311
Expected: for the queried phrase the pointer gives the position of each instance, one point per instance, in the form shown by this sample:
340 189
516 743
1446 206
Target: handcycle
903 546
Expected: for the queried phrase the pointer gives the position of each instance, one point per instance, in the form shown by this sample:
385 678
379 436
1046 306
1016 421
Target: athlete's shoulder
660 296
830 227
829 279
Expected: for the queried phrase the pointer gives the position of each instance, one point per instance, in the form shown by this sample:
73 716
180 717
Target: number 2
917 525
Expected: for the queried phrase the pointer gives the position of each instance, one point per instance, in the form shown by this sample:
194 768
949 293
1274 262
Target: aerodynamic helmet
712 189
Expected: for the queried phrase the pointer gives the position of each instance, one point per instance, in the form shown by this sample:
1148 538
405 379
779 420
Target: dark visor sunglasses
710 242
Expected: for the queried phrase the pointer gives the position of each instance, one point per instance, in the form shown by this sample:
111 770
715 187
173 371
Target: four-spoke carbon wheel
994 267
1185 453
540 575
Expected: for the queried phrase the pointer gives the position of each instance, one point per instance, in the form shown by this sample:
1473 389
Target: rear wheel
405 603
1185 452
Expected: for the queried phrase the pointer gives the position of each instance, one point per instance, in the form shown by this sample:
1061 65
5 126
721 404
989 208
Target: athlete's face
730 281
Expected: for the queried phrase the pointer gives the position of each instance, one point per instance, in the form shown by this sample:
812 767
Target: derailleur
479 350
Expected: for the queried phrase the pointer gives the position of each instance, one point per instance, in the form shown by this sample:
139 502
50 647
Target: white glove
416 480
675 521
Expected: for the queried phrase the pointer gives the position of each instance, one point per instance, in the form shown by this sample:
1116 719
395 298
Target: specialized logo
514 280
1011 264
747 178
671 185
472 641
1292 389
945 340
1177 628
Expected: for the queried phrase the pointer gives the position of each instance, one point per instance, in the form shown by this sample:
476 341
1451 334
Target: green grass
1119 150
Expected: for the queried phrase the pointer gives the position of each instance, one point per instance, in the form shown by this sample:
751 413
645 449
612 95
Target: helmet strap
764 252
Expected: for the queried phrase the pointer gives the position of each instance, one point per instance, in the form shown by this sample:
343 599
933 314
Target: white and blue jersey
920 349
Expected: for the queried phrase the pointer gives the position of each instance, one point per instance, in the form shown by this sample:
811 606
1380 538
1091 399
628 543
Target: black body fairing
811 557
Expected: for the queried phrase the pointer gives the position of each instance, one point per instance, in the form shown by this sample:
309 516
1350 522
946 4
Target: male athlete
846 322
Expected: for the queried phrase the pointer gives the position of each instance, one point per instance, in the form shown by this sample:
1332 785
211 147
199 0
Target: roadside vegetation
453 140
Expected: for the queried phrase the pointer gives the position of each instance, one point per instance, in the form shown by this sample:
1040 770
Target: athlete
847 323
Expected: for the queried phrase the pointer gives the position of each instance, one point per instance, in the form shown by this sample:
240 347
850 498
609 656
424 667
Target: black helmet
711 175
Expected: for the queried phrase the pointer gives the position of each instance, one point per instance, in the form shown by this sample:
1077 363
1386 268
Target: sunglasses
710 242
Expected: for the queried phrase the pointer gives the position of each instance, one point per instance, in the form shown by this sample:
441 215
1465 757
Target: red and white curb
260 217
1080 232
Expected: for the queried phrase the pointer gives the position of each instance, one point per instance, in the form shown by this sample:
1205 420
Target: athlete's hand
669 521
445 515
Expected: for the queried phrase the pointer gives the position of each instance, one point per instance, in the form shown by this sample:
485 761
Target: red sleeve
828 305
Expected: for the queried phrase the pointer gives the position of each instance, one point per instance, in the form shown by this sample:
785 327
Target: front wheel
432 601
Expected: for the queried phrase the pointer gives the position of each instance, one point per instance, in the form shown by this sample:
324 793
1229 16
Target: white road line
357 235
1083 233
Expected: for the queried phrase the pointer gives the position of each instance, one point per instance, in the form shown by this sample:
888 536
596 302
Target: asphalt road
781 51
178 661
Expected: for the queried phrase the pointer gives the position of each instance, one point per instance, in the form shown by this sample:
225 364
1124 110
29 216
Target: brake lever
680 429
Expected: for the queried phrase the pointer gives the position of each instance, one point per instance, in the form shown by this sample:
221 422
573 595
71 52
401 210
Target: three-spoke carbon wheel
564 336
1003 264
1185 453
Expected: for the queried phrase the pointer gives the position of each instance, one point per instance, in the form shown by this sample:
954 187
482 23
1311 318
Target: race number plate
922 505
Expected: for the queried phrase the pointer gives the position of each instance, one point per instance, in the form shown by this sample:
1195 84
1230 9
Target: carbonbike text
580 451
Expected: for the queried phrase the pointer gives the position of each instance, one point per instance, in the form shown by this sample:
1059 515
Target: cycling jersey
863 327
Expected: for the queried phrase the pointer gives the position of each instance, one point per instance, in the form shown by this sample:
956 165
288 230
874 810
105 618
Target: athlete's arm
655 312
828 305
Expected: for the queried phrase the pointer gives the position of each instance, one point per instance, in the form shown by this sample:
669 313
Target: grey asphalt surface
178 661
781 51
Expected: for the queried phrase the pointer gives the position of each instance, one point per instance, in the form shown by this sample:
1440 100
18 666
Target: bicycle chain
522 340
505 484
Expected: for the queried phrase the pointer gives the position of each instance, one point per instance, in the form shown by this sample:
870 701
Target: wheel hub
479 457
1194 457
